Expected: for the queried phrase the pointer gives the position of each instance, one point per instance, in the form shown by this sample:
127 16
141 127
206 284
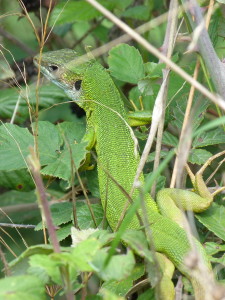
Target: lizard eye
77 84
52 68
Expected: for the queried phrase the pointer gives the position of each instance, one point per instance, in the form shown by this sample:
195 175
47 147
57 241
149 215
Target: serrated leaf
61 214
84 217
16 141
63 166
48 142
212 137
213 219
22 287
125 63
199 156
64 231
169 139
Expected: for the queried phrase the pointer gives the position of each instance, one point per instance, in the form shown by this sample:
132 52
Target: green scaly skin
90 85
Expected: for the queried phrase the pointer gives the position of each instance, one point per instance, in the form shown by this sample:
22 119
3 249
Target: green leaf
139 12
126 64
22 287
199 156
20 264
61 214
213 219
92 182
149 294
47 95
118 268
213 248
121 287
145 86
19 180
84 217
45 265
72 132
16 197
153 69
62 167
64 231
83 254
16 141
73 11
137 241
77 11
107 295
48 142
14 147
169 139
178 109
212 137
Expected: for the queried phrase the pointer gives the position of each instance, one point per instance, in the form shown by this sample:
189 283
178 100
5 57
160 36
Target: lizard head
65 68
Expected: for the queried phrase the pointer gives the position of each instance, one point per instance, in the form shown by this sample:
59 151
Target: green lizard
90 85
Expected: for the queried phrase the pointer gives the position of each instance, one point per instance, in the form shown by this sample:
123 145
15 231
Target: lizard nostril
52 68
77 84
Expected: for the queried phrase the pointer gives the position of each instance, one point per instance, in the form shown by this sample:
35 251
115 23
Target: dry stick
168 45
178 168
